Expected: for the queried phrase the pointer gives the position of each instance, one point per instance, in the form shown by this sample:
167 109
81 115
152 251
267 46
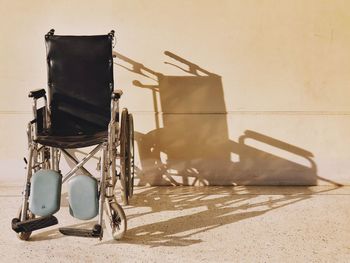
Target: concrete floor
200 224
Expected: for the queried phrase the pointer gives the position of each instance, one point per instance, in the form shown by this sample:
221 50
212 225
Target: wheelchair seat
73 141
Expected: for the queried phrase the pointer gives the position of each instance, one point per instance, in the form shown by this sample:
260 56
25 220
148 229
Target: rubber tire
124 160
131 155
117 230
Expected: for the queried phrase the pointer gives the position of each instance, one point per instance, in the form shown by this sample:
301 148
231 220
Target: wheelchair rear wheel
126 156
131 156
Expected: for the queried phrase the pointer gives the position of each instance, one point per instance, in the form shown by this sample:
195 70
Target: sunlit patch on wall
234 157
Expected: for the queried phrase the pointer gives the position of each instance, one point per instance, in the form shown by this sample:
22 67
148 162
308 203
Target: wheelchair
81 110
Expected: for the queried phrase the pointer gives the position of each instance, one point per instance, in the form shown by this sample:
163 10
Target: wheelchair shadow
190 144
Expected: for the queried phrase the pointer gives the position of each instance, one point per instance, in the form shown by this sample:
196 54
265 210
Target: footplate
96 231
33 224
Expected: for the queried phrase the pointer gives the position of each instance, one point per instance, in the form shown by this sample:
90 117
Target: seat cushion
69 142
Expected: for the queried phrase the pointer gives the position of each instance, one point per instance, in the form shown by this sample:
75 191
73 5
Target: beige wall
252 92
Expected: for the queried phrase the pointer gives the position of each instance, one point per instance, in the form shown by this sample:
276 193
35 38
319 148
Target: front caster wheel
117 221
25 235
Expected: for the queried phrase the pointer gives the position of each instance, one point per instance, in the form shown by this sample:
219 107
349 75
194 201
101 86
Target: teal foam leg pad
83 197
45 192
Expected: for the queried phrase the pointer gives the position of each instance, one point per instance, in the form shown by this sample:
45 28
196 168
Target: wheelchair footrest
96 231
33 224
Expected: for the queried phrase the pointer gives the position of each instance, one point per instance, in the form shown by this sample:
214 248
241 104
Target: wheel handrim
124 160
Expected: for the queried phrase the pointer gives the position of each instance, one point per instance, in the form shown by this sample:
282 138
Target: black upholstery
80 85
69 142
36 94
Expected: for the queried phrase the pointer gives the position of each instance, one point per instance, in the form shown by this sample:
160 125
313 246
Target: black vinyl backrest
80 83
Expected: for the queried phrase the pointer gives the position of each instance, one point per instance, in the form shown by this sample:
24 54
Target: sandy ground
199 224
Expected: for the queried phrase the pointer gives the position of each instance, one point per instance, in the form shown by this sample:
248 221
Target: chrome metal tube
53 161
35 118
66 153
81 163
47 121
102 183
26 188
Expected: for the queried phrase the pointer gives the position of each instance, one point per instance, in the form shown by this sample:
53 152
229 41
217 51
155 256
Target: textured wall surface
222 92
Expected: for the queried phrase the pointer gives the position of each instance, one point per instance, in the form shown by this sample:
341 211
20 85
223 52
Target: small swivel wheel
117 220
24 235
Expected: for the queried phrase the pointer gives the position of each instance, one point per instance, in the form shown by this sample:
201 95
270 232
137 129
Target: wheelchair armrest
117 94
42 120
36 94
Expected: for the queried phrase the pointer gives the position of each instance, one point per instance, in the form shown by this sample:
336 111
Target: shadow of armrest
274 142
266 160
286 147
